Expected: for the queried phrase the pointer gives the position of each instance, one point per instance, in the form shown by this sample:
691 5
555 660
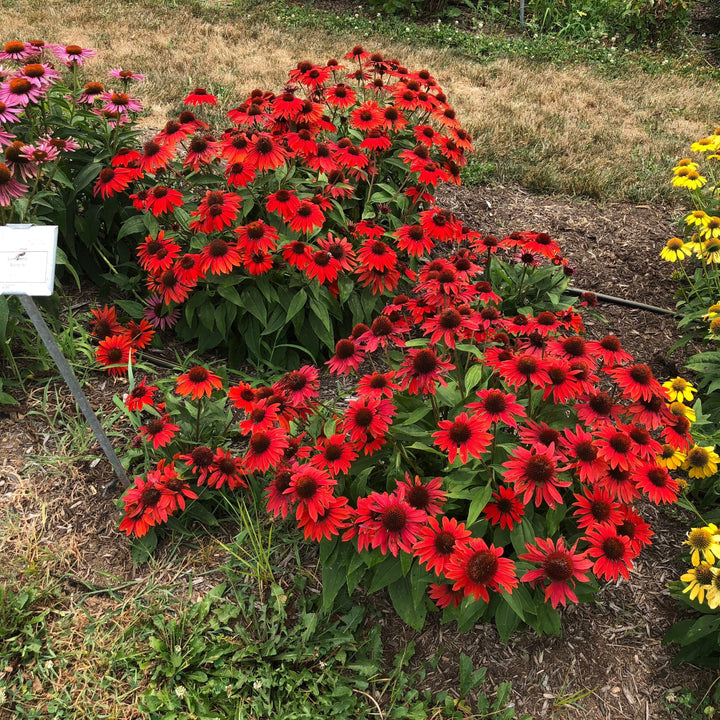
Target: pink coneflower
120 102
60 144
16 50
73 54
6 138
39 155
42 75
10 188
20 91
91 92
157 314
126 75
9 110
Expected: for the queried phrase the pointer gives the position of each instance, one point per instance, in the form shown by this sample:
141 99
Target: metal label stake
27 267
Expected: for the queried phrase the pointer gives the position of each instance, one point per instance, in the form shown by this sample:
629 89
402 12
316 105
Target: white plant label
27 259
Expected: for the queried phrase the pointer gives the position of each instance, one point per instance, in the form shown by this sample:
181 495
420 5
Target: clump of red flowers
324 188
488 451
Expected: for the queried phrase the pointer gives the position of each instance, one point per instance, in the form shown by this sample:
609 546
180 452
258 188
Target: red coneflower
613 552
615 447
311 489
216 210
105 322
155 156
560 567
636 382
609 351
463 436
141 396
202 150
340 96
139 334
168 285
258 263
161 200
226 468
367 116
145 505
657 483
413 240
596 506
188 269
239 174
200 96
367 416
521 369
329 522
307 217
498 406
199 460
634 528
597 409
348 356
323 266
505 509
534 472
377 385
422 370
475 568
265 153
582 454
219 257
113 353
391 523
112 180
157 254
159 431
336 455
278 503
444 595
427 496
437 542
197 382
265 449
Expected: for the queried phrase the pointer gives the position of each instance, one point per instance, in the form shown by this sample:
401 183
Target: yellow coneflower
675 249
699 580
704 144
679 389
710 227
710 251
688 178
696 217
685 162
670 457
705 544
713 311
701 462
678 408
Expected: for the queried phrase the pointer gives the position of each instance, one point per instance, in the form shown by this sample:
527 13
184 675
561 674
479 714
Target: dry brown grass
566 130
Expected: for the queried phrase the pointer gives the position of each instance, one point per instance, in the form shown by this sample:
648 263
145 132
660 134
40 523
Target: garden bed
609 661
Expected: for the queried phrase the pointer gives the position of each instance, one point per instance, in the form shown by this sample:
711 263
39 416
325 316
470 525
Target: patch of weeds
477 172
683 704
241 655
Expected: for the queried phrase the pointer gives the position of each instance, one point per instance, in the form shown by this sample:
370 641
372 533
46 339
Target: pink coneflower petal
10 188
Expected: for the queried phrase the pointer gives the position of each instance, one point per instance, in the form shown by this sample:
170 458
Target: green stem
197 420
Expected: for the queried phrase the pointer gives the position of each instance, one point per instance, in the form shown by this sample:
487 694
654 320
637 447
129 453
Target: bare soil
610 651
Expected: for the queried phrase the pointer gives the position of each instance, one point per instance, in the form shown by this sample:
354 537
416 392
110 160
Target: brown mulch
610 649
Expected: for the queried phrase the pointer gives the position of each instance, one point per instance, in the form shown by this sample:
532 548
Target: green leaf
132 226
296 305
254 303
480 499
387 572
86 176
402 598
230 293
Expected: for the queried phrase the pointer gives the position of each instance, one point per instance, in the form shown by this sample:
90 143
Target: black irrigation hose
622 302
